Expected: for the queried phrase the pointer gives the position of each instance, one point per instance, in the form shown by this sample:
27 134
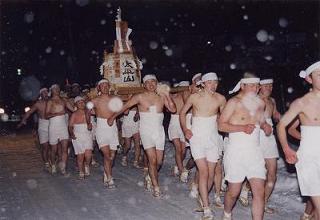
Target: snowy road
27 192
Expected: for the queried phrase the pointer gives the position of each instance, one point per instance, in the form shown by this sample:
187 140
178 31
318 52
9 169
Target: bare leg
54 149
107 161
178 155
271 165
137 148
127 146
88 157
231 196
316 204
80 160
64 144
257 188
203 168
153 169
218 178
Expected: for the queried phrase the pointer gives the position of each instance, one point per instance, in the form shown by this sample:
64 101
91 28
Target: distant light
4 117
193 24
183 65
228 48
61 52
165 47
262 36
1 111
153 45
103 22
243 7
209 42
268 58
283 22
19 72
245 17
48 49
169 52
233 66
26 109
290 90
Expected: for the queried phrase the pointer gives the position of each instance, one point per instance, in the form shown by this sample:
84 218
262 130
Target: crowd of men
230 141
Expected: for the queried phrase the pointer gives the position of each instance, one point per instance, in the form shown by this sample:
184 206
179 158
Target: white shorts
308 165
204 142
58 129
107 135
129 126
43 131
174 129
83 139
268 144
151 130
243 157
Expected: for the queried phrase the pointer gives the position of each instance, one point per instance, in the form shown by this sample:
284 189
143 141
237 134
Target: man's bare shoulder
220 97
234 100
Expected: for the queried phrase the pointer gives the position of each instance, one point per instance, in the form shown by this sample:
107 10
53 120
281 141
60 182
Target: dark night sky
55 40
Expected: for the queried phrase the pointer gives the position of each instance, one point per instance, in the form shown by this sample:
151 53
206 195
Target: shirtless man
268 143
81 137
106 136
58 127
43 125
242 118
307 158
203 135
176 134
150 105
130 130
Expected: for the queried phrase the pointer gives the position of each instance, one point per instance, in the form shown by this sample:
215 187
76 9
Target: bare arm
48 113
69 106
70 126
275 114
169 104
182 116
293 129
287 118
33 109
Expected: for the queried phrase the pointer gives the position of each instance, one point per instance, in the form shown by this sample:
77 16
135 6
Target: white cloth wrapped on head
77 99
42 90
58 129
268 143
196 77
184 83
204 141
149 77
309 70
83 139
103 81
151 130
209 76
129 126
107 135
43 131
244 81
266 81
243 157
308 165
174 129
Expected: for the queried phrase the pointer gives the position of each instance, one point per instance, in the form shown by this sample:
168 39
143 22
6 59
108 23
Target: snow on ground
28 192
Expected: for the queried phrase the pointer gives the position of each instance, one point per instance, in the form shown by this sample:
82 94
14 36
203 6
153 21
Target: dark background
51 41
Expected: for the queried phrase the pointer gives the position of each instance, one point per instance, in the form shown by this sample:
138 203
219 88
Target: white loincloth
83 139
243 157
58 129
43 131
188 120
94 126
129 126
67 117
174 129
308 165
151 130
107 135
204 141
268 143
220 146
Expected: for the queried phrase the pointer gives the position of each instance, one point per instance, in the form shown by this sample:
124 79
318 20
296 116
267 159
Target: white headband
75 84
103 81
42 90
266 81
149 77
54 86
176 85
77 99
184 83
209 76
309 70
196 76
245 81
